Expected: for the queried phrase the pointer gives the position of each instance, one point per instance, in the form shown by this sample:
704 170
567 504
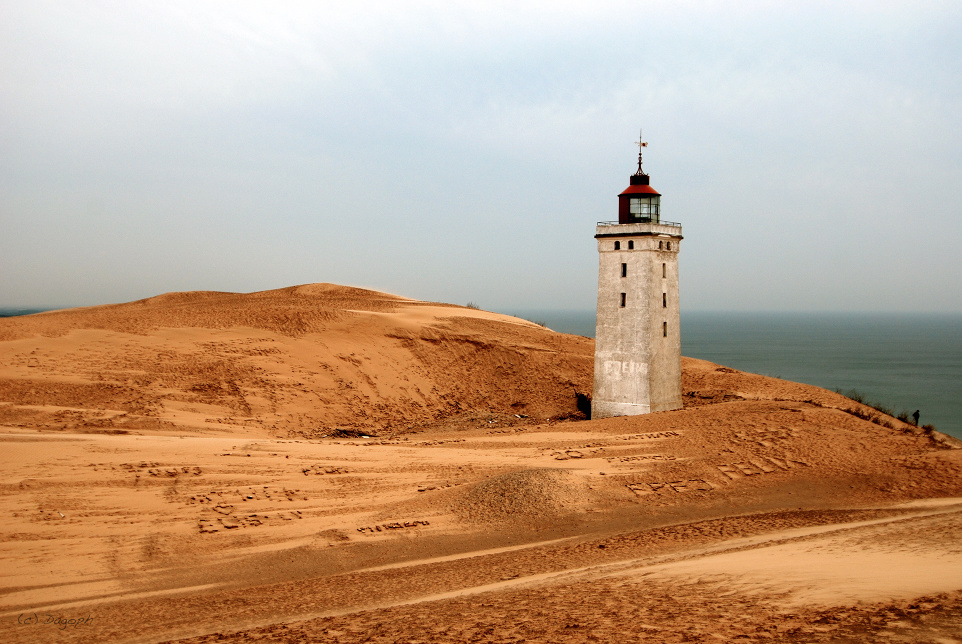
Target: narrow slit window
669 245
664 270
624 297
624 270
617 245
664 329
661 245
631 244
664 300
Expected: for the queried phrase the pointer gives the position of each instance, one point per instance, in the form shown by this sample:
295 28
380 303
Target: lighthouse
637 333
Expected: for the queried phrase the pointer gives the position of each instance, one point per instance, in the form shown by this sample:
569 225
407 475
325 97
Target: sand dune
296 361
323 463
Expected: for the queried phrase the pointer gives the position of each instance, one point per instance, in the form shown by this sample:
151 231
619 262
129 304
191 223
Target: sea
904 362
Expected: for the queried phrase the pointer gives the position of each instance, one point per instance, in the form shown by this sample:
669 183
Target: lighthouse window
640 207
624 270
661 245
664 300
617 245
669 245
624 296
644 209
664 329
631 244
664 270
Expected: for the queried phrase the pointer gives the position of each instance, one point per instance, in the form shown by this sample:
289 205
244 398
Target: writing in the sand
759 465
642 457
648 436
46 619
674 486
392 526
765 436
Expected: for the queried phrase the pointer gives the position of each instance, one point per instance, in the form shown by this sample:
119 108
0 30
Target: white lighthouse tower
637 335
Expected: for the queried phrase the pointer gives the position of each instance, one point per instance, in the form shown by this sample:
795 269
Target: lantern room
639 203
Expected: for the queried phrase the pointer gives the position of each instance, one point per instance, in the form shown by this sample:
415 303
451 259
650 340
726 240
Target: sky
464 151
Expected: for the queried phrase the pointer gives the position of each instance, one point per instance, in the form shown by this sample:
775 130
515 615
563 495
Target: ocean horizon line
10 311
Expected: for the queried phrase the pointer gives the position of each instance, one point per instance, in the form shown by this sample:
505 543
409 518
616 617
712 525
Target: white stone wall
637 368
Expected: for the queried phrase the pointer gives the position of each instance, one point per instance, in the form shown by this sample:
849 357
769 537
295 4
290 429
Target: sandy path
703 572
872 561
770 572
758 587
816 565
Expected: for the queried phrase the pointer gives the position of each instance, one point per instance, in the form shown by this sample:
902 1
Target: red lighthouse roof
640 189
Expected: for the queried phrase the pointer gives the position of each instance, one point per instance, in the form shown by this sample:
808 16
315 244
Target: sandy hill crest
304 359
292 311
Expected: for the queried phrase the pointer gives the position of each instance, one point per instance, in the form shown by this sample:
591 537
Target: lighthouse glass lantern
639 203
644 209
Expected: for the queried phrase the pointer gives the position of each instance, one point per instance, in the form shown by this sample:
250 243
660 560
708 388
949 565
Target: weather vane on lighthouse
641 144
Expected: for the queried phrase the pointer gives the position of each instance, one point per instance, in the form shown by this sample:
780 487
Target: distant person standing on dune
916 417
